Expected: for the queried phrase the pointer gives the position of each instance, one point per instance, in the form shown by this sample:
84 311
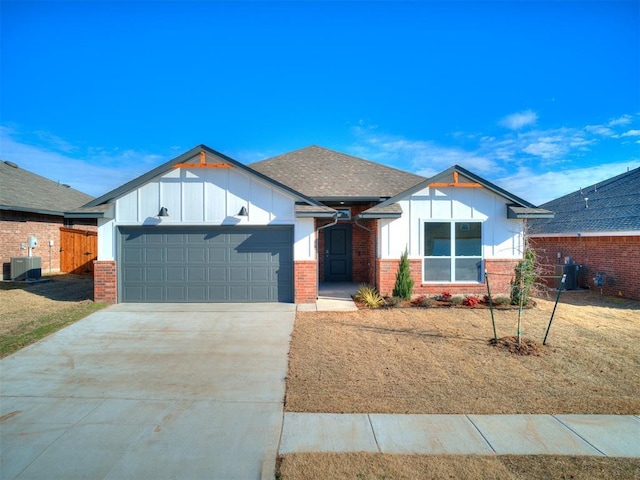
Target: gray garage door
219 264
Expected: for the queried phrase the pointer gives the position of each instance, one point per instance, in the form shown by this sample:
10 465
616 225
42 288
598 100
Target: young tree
404 283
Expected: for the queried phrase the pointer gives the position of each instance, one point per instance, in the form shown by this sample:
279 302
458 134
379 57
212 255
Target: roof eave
38 211
513 212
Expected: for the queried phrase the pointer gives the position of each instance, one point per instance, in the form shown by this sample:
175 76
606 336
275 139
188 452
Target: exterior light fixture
243 212
163 212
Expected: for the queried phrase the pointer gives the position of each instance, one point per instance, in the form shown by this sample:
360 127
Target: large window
452 252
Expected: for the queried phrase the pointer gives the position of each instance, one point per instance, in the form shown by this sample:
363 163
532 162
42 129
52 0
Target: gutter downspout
335 221
375 249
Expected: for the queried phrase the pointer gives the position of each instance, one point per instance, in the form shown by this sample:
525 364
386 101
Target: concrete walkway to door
187 391
333 297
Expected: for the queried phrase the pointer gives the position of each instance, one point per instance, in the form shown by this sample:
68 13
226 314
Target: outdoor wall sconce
163 212
243 212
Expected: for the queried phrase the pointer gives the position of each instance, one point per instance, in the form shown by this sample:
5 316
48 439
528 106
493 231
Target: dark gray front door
337 262
218 264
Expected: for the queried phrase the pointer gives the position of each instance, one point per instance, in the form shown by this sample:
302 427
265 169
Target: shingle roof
324 174
21 190
609 206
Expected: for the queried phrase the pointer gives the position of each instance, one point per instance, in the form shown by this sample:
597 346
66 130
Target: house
206 228
33 206
598 228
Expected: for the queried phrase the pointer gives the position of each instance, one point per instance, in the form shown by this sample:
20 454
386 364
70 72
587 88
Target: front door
337 246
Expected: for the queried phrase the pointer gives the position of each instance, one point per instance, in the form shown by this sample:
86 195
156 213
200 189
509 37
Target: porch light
163 212
243 212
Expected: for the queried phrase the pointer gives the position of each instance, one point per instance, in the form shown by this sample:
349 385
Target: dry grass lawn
31 311
370 466
438 360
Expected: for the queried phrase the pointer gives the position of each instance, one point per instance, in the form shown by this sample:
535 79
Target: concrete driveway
149 392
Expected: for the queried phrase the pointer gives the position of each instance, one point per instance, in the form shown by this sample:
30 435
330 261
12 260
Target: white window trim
452 257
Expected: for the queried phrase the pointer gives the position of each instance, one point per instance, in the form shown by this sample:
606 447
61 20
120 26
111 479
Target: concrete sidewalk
332 297
596 435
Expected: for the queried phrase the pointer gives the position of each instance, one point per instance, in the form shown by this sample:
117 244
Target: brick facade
16 227
499 282
306 281
105 281
617 257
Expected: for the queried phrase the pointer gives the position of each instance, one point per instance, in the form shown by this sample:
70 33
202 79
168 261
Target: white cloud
599 130
425 158
95 172
516 121
542 187
622 120
631 133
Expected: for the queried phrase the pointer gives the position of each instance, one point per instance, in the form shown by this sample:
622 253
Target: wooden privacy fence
78 250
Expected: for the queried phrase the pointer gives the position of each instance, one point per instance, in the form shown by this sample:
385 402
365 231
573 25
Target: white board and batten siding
501 237
206 197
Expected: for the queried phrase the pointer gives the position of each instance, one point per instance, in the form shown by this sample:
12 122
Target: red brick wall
387 270
362 241
306 281
617 257
15 227
105 281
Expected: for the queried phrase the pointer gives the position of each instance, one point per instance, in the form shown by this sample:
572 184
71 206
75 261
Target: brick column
306 281
105 281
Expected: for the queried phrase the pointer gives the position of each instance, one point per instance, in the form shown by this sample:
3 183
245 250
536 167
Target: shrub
471 301
501 300
522 286
456 300
423 301
445 297
404 282
393 301
368 295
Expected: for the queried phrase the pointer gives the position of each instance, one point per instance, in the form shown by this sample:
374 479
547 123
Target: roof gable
458 177
21 190
327 175
609 206
198 157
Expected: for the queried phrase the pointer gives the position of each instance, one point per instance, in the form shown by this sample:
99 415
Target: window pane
437 270
468 239
437 239
468 269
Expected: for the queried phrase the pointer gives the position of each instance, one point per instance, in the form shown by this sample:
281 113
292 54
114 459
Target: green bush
404 282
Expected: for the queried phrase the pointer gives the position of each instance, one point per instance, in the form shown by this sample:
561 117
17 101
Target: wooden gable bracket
203 164
456 183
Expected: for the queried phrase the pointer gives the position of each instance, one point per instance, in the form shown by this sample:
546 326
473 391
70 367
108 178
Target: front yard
439 361
31 311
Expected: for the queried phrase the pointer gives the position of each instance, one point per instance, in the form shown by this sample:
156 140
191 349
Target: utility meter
32 242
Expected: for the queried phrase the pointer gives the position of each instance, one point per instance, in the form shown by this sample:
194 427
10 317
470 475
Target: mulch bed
525 347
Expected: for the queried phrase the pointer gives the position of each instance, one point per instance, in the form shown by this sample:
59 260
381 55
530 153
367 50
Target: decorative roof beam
203 164
456 183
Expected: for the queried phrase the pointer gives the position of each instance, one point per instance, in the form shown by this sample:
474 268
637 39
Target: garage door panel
175 254
239 274
218 274
176 274
154 254
154 274
196 274
216 264
261 274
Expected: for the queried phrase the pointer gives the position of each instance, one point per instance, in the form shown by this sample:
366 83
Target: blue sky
541 98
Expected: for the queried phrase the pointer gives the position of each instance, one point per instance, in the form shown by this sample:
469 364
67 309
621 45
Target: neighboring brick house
206 228
599 228
31 205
